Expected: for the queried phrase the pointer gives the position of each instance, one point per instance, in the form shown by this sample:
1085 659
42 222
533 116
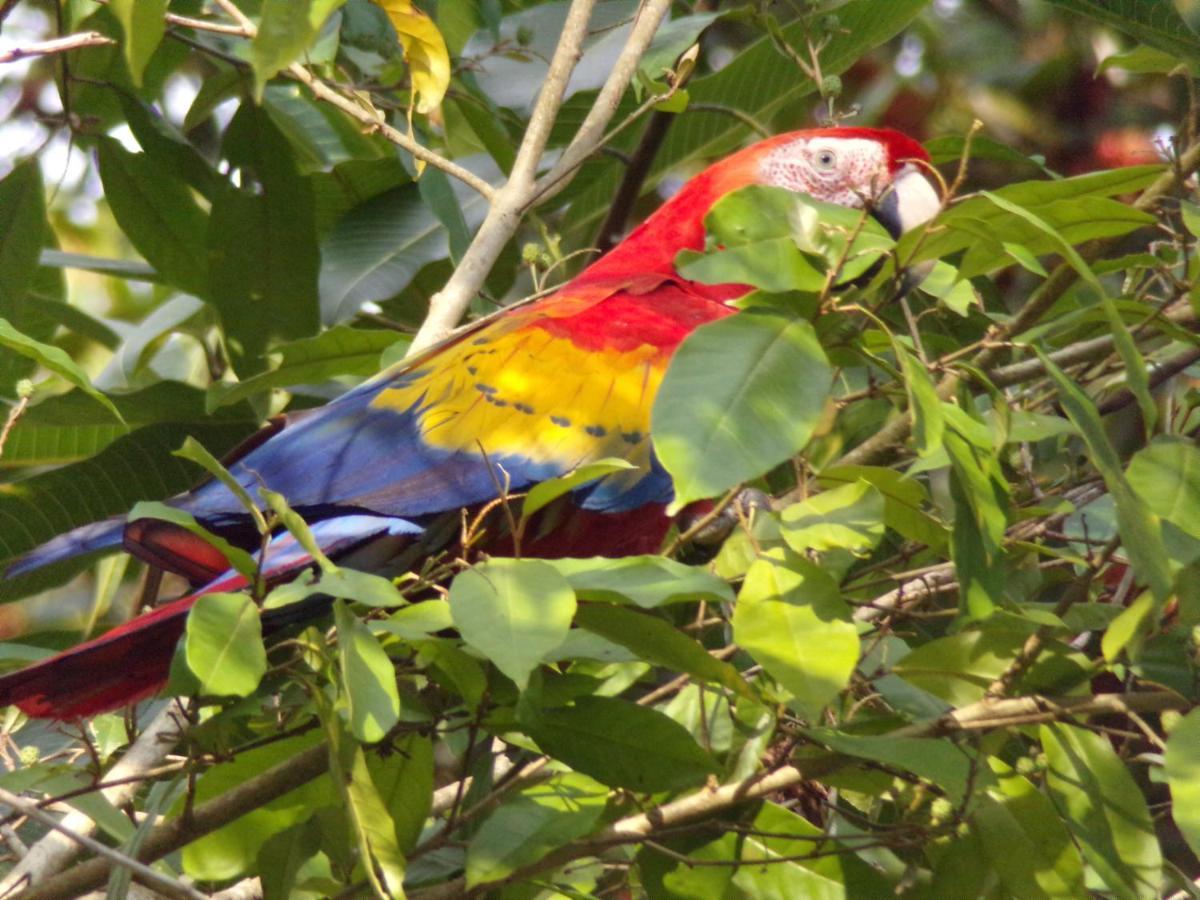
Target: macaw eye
825 160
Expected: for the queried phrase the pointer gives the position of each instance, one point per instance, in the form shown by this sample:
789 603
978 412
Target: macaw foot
706 542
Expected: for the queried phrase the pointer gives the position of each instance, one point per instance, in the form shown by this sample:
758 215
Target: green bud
1170 718
1026 766
530 253
831 86
963 830
830 23
30 756
24 388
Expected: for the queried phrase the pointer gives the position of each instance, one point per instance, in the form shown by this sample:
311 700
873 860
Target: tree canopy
954 656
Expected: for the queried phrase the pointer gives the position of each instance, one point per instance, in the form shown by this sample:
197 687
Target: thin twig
511 201
142 873
369 117
54 852
56 45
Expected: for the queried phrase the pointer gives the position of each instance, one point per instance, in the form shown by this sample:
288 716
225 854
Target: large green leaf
1183 776
646 581
1166 476
368 680
377 248
849 517
528 826
513 611
338 351
622 744
262 242
23 231
1025 840
157 212
143 24
1104 808
223 645
133 467
656 640
1153 22
715 426
55 359
792 619
232 848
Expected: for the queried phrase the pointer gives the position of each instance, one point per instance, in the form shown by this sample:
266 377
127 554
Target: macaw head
881 169
876 168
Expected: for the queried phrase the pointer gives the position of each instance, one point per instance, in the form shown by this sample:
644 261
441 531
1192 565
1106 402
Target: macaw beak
909 201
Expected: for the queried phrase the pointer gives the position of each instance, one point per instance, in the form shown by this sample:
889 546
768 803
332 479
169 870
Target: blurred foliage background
962 653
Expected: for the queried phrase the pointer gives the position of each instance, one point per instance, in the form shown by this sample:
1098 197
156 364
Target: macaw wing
529 396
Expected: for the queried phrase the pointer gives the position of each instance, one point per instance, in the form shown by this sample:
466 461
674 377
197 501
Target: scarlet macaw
529 395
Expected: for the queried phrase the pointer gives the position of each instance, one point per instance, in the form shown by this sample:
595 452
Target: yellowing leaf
424 51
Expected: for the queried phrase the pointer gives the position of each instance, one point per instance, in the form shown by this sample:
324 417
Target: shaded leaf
224 646
717 426
368 682
513 611
622 744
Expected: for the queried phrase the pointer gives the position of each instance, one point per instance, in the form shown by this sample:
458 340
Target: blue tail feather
103 535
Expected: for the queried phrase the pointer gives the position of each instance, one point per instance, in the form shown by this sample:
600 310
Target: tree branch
142 873
520 192
55 851
371 118
56 45
708 802
204 819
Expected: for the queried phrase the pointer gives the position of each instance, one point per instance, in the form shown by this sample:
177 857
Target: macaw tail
132 662
107 534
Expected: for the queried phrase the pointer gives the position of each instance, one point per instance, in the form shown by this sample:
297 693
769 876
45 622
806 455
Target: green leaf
1141 534
1025 840
622 744
1153 22
904 498
368 681
377 248
262 241
404 780
155 209
941 762
513 611
1104 808
223 644
646 581
1166 477
959 667
133 466
548 491
523 829
656 641
923 401
54 359
231 850
143 23
1142 60
715 426
338 351
849 517
23 230
979 491
284 32
1078 209
793 621
779 241
373 828
1183 776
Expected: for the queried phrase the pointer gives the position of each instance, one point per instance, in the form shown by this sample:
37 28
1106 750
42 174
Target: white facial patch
836 170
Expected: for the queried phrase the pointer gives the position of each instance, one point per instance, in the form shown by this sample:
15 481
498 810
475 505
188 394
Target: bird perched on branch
528 395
